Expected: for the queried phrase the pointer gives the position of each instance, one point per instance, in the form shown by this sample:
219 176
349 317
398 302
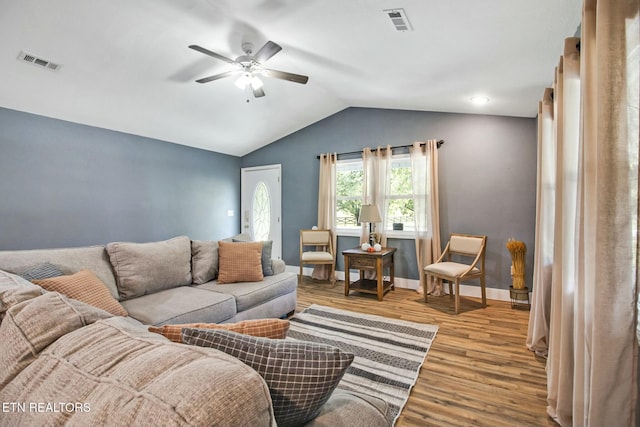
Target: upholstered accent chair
316 247
451 265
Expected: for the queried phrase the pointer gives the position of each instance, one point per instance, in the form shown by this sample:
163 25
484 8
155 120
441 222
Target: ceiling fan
249 67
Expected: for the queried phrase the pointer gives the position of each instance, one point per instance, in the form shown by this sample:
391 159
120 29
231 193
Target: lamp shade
369 213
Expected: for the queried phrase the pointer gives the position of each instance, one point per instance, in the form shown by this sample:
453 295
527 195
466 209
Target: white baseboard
465 290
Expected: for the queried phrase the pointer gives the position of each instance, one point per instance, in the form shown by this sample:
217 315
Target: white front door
261 205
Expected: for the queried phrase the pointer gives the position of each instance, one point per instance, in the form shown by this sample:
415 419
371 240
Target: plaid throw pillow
86 287
301 375
266 328
45 270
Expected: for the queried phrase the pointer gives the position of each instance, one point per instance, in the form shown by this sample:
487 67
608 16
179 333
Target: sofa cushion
123 375
145 268
43 270
31 325
181 305
239 262
251 294
204 261
349 408
15 289
86 287
301 375
68 260
266 328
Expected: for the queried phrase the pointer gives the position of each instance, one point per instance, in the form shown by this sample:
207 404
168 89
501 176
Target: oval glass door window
261 212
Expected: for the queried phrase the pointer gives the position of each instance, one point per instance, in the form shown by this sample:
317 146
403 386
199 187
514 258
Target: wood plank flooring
478 371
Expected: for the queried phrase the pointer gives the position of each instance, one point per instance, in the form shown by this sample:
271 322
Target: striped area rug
388 352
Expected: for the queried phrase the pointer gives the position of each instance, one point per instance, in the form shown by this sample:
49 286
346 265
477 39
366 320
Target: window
400 199
261 212
399 203
349 175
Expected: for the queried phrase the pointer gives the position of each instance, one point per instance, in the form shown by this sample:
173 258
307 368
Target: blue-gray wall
64 184
487 177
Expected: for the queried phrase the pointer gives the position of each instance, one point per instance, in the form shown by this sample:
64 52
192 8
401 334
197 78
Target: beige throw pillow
239 262
86 287
266 328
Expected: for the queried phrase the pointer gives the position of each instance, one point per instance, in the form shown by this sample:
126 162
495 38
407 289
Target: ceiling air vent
399 19
43 63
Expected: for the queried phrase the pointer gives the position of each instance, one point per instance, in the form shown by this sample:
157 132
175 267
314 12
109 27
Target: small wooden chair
322 253
467 246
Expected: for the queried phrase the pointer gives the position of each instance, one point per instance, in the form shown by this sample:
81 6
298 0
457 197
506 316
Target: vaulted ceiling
125 64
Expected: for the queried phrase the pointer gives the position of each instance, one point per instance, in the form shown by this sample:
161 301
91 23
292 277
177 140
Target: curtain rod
438 145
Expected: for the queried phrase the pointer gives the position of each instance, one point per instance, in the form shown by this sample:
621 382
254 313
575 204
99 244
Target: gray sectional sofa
171 281
64 362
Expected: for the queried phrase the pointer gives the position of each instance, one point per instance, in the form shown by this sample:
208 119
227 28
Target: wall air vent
43 63
398 19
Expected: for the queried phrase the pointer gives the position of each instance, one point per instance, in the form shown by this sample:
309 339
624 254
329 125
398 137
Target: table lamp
370 214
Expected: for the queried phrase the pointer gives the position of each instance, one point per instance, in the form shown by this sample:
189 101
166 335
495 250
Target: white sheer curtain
592 366
607 234
377 171
424 177
538 334
561 345
326 206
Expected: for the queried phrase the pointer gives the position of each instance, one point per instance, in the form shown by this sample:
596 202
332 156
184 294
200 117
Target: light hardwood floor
478 371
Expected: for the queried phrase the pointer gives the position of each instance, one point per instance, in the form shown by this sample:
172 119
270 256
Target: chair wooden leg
300 276
457 296
332 274
425 286
450 283
484 291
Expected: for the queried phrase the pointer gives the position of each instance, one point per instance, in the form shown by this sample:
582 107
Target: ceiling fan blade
282 75
258 93
218 76
267 51
212 54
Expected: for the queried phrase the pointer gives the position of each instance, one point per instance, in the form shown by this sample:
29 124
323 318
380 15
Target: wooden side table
369 261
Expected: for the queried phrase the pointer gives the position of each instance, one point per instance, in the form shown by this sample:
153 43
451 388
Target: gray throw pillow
146 268
267 246
45 270
204 261
300 375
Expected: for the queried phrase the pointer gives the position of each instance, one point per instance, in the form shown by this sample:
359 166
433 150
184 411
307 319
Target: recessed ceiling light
479 100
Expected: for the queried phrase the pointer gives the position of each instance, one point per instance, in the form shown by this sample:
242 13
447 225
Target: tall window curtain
424 176
377 171
607 233
561 345
592 375
538 334
326 206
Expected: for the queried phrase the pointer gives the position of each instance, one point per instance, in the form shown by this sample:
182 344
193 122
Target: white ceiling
126 65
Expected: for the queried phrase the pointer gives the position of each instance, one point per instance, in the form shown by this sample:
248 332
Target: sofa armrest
278 266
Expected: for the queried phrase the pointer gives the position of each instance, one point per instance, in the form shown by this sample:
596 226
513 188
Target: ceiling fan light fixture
256 83
243 81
